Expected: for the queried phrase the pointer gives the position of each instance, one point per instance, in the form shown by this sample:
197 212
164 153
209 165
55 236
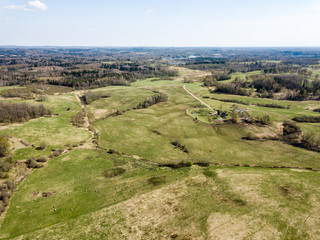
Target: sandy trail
198 99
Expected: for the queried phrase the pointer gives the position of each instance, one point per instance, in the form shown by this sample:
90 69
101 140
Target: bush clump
4 146
207 172
79 119
290 128
5 167
157 180
42 159
32 163
42 146
113 172
56 153
177 144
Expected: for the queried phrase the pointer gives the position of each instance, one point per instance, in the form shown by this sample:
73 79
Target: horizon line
142 46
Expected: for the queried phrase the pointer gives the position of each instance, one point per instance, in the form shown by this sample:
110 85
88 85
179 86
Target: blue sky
160 23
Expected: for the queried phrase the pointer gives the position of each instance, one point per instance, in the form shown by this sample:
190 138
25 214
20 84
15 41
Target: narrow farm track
198 99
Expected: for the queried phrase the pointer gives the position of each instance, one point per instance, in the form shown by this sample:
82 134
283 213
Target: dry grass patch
225 226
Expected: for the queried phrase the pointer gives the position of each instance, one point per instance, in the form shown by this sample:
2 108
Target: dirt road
198 99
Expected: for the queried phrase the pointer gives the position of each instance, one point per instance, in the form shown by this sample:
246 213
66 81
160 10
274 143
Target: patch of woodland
90 97
307 119
154 99
21 112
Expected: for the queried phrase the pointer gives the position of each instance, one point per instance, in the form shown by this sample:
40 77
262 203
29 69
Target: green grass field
152 202
193 203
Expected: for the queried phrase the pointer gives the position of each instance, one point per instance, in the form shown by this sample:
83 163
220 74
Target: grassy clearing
56 130
121 100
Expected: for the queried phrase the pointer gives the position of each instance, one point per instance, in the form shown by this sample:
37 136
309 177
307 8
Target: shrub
43 98
189 163
42 146
42 159
212 174
5 166
10 184
157 180
2 208
5 196
290 128
79 119
47 194
235 117
113 172
4 146
32 163
56 153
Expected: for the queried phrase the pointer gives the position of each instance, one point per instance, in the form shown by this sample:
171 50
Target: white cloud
149 11
9 19
32 5
18 7
39 5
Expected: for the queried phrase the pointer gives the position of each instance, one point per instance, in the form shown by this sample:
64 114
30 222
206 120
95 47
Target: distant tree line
292 86
301 88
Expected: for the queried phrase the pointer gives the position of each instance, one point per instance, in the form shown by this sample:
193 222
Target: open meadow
170 170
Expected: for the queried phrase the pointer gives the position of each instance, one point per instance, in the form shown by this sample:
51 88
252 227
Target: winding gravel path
198 99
